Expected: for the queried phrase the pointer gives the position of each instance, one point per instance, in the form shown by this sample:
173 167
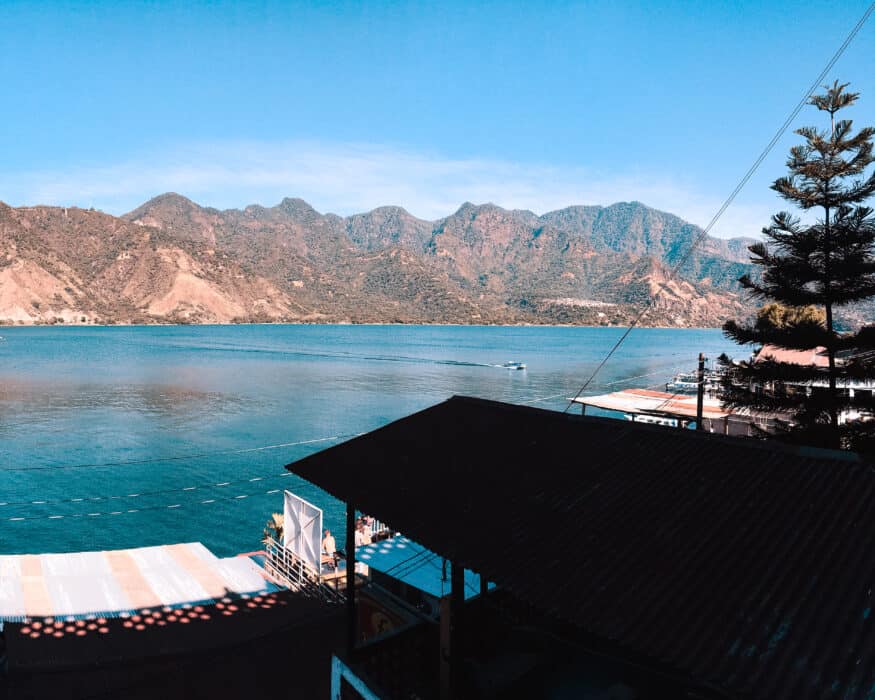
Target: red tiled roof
815 357
646 401
745 566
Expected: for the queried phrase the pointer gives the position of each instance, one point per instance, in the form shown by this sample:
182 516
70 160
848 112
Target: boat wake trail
322 354
421 360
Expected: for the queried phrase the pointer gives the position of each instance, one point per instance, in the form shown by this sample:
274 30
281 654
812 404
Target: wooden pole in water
700 393
350 580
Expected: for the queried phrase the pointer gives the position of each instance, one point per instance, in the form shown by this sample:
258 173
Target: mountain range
173 261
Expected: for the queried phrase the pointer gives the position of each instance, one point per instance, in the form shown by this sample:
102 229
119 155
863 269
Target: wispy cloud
349 178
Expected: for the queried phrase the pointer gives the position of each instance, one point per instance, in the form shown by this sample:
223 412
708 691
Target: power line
543 398
753 168
168 506
175 458
428 556
665 370
142 494
641 376
398 565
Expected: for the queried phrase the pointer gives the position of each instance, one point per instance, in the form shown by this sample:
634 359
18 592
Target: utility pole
700 392
351 612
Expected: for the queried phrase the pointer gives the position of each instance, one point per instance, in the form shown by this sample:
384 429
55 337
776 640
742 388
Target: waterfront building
627 560
818 357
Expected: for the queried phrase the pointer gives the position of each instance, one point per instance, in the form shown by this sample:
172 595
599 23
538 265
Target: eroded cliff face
171 260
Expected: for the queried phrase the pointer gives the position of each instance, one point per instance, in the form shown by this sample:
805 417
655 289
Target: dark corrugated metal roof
743 564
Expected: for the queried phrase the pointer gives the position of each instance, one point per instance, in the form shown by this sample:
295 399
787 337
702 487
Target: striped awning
79 585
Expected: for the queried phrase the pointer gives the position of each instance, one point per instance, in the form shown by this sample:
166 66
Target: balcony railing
290 570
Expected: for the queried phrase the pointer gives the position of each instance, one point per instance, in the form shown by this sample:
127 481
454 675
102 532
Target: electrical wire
168 506
141 494
410 568
648 374
625 380
731 198
175 458
543 398
398 565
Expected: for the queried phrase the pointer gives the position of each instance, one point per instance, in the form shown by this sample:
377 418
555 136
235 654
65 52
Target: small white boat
514 365
688 383
652 420
684 383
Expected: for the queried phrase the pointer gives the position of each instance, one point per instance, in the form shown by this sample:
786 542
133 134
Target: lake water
87 414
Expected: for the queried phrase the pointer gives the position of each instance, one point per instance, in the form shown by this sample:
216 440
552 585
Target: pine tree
827 264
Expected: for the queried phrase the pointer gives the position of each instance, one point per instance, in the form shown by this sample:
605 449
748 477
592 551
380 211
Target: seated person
362 534
329 547
365 533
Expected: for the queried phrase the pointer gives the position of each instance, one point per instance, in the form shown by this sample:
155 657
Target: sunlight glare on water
123 397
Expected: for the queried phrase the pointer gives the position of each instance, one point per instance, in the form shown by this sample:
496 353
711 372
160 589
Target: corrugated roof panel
83 584
743 564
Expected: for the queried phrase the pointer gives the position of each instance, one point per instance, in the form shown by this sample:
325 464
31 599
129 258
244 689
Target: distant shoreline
344 323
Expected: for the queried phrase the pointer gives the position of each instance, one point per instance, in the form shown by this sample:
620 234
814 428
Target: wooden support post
350 580
457 625
445 649
445 639
583 409
700 392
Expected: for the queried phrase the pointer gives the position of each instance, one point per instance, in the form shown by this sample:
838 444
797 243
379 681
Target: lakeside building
677 406
673 410
817 357
169 621
628 561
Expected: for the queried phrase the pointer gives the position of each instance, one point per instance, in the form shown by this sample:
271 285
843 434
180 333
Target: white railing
287 568
377 527
340 671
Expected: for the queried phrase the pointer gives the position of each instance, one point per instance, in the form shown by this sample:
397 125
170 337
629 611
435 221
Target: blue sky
424 105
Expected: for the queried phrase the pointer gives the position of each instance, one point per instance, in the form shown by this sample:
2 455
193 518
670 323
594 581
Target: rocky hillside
171 260
76 266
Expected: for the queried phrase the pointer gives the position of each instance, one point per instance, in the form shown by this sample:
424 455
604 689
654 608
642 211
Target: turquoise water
92 413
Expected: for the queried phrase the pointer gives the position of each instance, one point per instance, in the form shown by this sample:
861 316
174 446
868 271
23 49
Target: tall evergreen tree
826 264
